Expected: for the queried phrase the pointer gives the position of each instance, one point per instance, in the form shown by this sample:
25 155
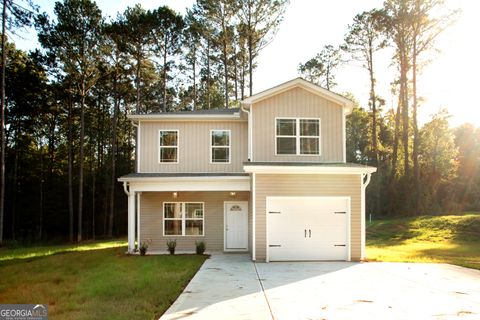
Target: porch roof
161 182
307 167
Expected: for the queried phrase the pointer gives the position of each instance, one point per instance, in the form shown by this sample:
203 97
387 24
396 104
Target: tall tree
193 39
428 19
261 19
321 68
135 25
16 16
396 24
75 40
221 13
438 159
166 30
363 39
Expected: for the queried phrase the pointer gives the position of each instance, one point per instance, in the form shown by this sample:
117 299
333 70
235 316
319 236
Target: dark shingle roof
182 174
194 112
308 164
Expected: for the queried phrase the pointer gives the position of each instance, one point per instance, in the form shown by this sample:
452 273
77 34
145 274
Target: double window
168 152
297 136
220 146
183 219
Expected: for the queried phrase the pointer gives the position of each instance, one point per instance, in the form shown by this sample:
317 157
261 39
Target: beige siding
194 146
297 102
307 185
151 219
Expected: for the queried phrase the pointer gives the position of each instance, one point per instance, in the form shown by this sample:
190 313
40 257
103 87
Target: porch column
131 221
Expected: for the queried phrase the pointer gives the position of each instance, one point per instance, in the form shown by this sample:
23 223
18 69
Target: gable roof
304 84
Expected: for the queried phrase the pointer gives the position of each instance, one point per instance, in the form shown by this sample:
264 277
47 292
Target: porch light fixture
174 194
232 194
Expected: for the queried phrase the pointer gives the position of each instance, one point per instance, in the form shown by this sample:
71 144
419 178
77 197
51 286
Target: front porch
189 208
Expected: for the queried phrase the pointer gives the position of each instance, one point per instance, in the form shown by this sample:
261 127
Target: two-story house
270 178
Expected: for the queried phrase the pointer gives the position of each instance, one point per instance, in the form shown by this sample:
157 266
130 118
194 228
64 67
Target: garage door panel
307 228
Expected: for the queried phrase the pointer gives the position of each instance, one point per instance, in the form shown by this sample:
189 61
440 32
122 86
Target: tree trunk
194 67
225 69
235 75
116 107
396 137
2 125
137 84
70 169
405 123
250 49
165 75
80 163
14 195
94 182
416 137
373 100
208 74
40 222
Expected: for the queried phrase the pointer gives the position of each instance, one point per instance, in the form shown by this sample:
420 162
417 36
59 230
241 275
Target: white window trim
298 136
183 219
160 147
229 147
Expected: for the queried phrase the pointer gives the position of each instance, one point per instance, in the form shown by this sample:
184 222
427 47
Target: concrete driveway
233 287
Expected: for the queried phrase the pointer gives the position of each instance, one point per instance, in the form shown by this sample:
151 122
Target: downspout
125 184
137 142
366 182
250 125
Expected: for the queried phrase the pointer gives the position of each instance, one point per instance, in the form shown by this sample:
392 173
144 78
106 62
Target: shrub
171 244
200 247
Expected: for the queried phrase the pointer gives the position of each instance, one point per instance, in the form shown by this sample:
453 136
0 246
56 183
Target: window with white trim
183 219
220 146
168 146
297 136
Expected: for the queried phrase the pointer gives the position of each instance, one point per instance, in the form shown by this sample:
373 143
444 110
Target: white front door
236 226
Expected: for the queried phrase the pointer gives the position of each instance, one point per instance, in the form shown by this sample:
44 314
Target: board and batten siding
151 218
267 185
194 146
298 103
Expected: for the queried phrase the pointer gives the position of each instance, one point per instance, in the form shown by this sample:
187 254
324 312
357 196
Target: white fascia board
188 184
183 117
307 169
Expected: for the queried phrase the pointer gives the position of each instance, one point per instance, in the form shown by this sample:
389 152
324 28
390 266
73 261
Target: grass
94 281
451 239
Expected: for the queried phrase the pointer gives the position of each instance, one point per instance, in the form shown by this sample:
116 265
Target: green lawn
451 239
94 281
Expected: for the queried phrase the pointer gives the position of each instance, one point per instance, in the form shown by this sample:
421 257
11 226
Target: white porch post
131 221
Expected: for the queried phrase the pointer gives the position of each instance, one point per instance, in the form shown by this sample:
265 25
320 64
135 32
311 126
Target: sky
450 81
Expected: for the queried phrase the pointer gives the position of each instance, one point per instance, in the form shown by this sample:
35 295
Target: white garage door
307 228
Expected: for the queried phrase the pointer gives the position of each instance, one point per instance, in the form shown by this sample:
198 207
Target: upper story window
220 146
168 152
297 136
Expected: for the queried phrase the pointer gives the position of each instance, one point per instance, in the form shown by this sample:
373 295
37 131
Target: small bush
143 248
200 247
171 245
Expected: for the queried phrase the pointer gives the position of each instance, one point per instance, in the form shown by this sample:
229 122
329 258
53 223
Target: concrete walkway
233 287
225 287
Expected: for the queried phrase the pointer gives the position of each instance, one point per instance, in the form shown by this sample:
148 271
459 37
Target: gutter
125 189
250 128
